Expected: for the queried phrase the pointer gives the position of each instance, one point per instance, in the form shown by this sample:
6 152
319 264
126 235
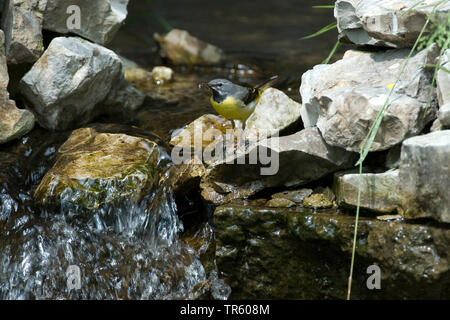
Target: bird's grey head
222 88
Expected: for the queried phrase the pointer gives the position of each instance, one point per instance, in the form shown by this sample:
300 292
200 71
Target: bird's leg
239 133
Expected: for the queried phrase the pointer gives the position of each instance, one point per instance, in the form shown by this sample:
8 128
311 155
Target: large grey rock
100 19
287 161
343 101
385 23
74 81
22 24
274 112
312 251
14 122
444 115
123 97
424 177
443 89
378 190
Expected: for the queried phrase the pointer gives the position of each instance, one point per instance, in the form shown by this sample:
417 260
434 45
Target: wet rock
203 132
317 201
388 217
14 122
74 81
443 90
378 190
384 23
274 112
162 74
313 250
93 169
123 97
296 196
280 203
181 48
424 173
343 101
100 20
279 161
22 24
186 177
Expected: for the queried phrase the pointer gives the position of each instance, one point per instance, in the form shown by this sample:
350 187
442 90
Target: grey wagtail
233 101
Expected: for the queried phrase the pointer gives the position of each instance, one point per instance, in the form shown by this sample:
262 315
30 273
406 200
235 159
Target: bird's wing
254 92
266 84
242 93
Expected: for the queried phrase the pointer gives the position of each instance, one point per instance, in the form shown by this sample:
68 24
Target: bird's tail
267 84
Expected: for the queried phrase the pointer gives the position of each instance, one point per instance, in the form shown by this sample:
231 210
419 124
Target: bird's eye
219 85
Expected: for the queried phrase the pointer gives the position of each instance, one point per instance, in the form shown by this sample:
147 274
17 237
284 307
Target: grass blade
367 143
349 289
327 28
333 51
323 7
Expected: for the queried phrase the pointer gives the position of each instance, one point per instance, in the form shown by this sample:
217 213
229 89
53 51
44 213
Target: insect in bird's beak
204 85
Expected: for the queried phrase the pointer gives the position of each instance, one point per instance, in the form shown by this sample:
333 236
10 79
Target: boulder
74 81
123 97
99 20
344 101
181 48
279 253
203 132
93 169
296 196
22 23
274 112
161 74
275 162
14 122
424 171
280 203
317 201
378 190
444 115
443 89
384 23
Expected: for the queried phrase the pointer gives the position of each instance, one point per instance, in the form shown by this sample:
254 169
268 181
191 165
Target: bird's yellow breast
234 109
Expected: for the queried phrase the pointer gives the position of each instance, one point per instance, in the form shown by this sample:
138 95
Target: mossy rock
93 169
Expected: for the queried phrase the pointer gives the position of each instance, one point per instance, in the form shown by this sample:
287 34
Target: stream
153 248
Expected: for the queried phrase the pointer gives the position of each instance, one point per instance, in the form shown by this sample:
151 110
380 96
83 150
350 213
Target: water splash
127 250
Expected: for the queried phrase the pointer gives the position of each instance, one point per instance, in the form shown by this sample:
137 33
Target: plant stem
349 289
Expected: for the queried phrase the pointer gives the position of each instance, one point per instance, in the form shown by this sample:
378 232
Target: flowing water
144 250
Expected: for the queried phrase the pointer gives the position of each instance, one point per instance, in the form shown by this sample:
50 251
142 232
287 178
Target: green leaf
321 31
324 7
